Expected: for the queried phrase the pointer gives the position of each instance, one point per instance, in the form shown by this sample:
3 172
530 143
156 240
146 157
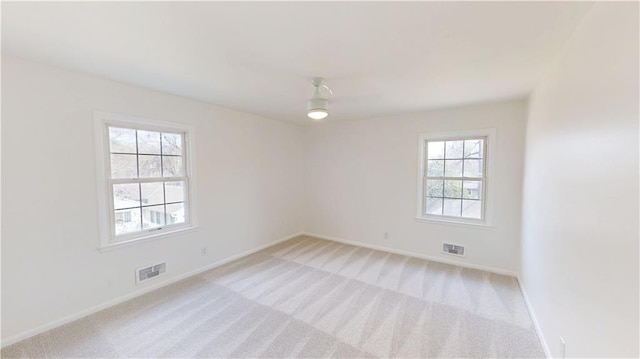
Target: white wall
361 182
247 176
580 220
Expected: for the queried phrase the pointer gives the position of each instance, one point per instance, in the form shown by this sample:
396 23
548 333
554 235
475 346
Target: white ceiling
379 58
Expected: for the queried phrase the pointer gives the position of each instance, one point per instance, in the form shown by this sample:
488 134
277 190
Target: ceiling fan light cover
317 114
317 108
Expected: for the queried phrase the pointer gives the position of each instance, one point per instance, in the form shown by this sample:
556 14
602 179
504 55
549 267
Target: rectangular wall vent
453 249
149 272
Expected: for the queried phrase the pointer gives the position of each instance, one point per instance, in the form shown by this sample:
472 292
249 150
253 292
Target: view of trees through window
455 178
148 179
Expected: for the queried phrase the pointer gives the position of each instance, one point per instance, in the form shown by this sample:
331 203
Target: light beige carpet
309 298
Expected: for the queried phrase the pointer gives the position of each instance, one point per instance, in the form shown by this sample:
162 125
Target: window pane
127 221
171 144
434 205
149 166
452 207
453 149
124 166
472 168
472 209
435 150
175 213
435 188
472 189
126 195
172 166
152 193
174 191
148 142
453 168
435 168
152 216
473 148
453 189
450 161
122 140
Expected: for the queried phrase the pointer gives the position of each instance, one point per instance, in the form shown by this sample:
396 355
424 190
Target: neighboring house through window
145 177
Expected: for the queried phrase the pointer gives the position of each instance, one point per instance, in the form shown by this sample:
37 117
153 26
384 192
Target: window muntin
454 178
147 181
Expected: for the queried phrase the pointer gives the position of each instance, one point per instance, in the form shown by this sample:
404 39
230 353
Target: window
145 176
123 217
453 177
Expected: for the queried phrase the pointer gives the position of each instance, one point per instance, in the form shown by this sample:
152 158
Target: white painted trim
455 223
101 121
536 325
416 255
153 237
143 290
489 171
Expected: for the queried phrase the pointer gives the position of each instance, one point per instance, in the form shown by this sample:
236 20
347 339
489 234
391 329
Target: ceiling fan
318 105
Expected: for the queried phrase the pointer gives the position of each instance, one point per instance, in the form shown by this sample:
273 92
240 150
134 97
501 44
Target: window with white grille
453 177
146 177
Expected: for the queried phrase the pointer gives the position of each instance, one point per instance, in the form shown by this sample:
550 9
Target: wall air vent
453 249
149 272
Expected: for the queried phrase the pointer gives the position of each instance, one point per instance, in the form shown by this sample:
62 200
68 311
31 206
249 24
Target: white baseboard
70 318
416 255
43 328
532 314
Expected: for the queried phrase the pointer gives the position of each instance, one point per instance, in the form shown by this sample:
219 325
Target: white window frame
487 198
106 220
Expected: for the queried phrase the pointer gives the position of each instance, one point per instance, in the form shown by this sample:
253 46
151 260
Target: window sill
132 242
448 222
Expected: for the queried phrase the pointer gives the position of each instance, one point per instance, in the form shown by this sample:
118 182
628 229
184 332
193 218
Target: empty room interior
320 179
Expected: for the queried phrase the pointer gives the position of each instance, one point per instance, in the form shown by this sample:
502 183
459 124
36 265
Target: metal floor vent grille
149 272
453 249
